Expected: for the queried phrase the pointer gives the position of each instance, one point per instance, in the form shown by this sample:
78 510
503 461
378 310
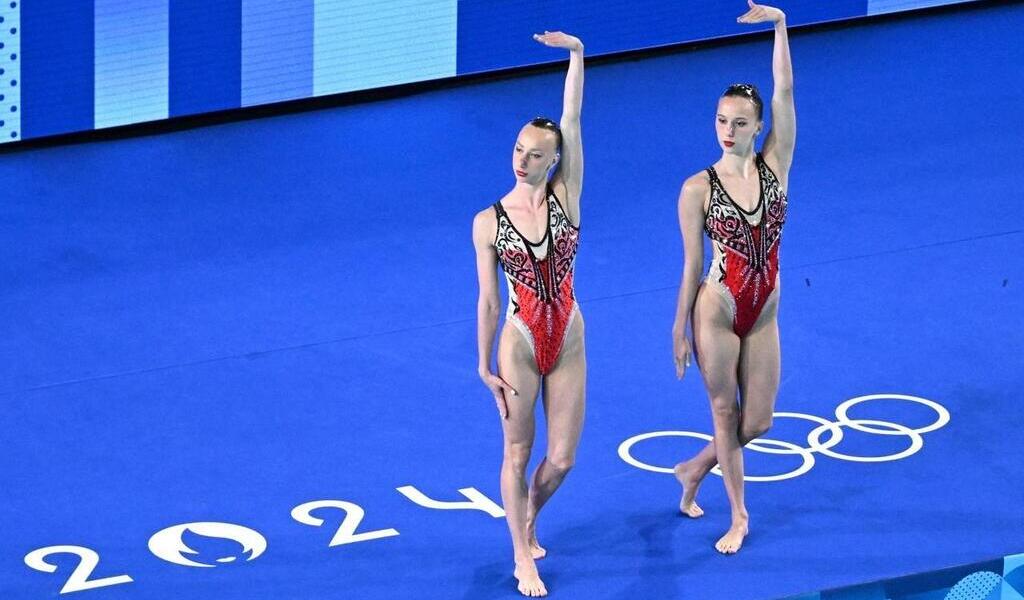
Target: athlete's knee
561 462
755 429
517 456
724 411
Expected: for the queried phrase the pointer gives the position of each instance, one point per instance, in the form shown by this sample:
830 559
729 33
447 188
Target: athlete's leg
518 368
564 402
759 373
718 349
755 414
759 383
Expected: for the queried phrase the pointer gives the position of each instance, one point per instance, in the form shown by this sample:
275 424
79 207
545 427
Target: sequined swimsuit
541 301
745 266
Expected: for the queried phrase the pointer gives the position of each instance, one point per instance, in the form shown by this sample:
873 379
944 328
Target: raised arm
691 224
488 306
778 146
569 176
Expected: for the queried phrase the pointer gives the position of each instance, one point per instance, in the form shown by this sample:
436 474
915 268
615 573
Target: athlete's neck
533 194
740 165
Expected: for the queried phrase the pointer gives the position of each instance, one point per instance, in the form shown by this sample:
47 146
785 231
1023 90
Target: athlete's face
535 152
736 124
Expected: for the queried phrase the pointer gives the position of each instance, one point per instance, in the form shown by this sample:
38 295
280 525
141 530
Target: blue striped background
361 44
205 56
58 80
132 58
277 50
487 43
100 63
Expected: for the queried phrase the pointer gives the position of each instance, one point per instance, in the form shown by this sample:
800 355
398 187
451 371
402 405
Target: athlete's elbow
692 267
488 307
569 124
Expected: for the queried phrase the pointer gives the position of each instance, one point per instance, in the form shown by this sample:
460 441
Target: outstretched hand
760 13
557 39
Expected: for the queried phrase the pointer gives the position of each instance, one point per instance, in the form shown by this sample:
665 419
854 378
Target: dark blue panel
491 36
206 56
938 580
57 43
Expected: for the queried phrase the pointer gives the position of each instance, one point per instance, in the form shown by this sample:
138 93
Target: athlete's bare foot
690 482
536 550
732 540
529 580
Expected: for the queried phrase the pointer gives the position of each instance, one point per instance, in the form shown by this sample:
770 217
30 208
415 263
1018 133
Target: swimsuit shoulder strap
558 203
764 170
717 191
502 221
716 183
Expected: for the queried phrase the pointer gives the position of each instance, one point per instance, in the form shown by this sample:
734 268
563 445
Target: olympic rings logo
814 443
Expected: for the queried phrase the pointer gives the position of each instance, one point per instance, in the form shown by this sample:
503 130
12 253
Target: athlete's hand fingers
684 363
497 384
547 38
505 386
682 356
680 352
558 39
500 387
751 15
760 13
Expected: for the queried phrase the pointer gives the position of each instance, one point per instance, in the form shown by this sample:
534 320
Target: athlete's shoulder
696 186
485 223
487 216
485 213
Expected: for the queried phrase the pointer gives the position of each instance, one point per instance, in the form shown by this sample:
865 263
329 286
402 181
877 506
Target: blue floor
221 324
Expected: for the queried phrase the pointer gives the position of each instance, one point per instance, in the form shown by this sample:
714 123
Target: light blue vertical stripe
360 44
1012 562
277 50
10 71
131 61
877 7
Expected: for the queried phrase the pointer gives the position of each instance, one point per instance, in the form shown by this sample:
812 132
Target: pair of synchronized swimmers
739 202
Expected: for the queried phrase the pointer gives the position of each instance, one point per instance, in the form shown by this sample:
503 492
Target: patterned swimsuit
541 301
745 266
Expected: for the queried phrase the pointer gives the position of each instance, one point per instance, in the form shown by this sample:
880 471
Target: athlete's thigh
759 372
517 366
565 394
716 344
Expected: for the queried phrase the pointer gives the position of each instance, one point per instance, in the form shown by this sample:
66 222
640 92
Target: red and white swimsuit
541 301
745 266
